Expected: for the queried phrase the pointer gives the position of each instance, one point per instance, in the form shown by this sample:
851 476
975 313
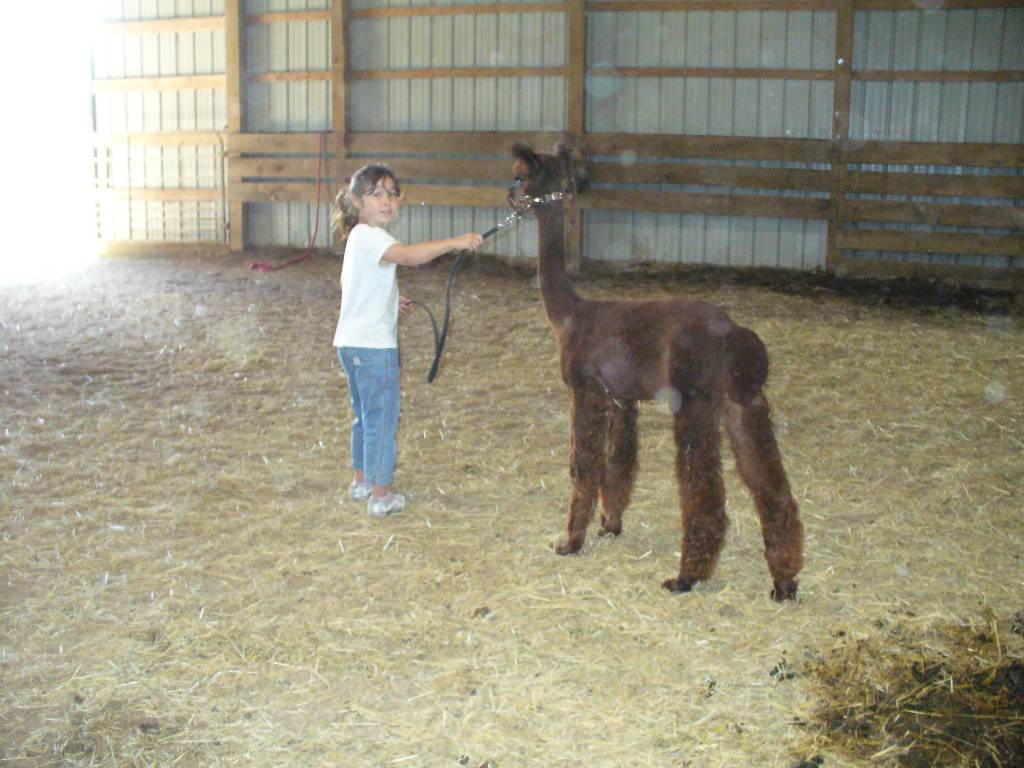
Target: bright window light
50 207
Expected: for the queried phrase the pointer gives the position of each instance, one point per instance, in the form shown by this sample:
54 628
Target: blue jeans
374 395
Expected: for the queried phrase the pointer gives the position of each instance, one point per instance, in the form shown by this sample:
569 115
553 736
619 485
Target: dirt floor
183 582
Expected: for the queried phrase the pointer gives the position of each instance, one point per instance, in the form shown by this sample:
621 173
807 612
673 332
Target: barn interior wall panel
916 76
964 40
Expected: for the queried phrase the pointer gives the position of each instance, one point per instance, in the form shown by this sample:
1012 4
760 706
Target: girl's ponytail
344 216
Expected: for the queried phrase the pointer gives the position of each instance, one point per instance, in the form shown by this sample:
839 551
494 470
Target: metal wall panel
139 167
708 106
305 105
983 112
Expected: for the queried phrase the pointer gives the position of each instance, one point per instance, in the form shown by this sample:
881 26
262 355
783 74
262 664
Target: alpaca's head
539 174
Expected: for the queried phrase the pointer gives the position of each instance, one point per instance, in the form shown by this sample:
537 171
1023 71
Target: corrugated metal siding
160 55
709 106
959 40
905 40
298 46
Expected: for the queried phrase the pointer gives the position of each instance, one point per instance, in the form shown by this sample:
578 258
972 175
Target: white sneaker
359 491
384 505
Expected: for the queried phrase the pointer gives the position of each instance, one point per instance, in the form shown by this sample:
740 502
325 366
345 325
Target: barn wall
140 166
959 41
797 106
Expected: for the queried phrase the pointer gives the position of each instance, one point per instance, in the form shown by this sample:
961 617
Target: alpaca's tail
746 365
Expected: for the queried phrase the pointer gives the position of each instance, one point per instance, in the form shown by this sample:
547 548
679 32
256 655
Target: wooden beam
453 10
172 83
710 72
339 77
421 74
576 95
177 195
234 45
713 204
934 214
162 139
710 147
947 5
934 184
930 242
842 88
288 17
404 168
289 77
710 5
161 248
935 153
940 76
162 26
711 175
412 194
458 142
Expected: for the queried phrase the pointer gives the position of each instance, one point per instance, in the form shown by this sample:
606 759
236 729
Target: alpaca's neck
559 298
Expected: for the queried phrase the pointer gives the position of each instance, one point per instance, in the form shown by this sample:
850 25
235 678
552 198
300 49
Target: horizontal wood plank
306 167
711 175
471 72
164 26
934 214
190 195
934 153
730 73
939 76
412 194
712 204
162 247
934 184
710 147
174 83
930 242
158 139
288 17
710 5
298 76
456 10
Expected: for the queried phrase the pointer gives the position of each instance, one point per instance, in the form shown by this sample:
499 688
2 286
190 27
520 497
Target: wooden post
234 46
575 121
339 95
840 128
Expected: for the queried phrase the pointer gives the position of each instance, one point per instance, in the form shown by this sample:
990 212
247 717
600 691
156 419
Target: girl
367 333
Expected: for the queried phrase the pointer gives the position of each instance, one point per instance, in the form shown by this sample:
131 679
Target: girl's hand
468 242
404 306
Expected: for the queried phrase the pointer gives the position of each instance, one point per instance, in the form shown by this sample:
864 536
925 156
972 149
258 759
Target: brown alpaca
686 352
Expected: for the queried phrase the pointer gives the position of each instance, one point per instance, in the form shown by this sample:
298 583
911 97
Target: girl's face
380 205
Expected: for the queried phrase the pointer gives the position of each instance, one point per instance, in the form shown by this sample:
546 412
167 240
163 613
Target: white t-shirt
369 291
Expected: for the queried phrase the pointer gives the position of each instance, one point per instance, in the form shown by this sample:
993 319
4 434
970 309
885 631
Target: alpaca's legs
701 493
620 469
760 466
586 466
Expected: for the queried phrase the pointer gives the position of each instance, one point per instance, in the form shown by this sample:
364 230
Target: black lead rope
442 337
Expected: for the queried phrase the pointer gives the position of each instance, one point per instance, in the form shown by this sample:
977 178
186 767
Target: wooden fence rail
832 180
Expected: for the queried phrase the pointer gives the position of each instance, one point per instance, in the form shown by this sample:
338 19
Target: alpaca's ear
525 155
575 166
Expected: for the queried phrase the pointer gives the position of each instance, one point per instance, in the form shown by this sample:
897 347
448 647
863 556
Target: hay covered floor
183 583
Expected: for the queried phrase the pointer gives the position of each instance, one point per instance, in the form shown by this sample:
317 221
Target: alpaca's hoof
678 585
568 546
610 530
784 590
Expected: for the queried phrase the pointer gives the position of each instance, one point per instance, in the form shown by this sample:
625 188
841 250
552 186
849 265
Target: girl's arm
420 253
